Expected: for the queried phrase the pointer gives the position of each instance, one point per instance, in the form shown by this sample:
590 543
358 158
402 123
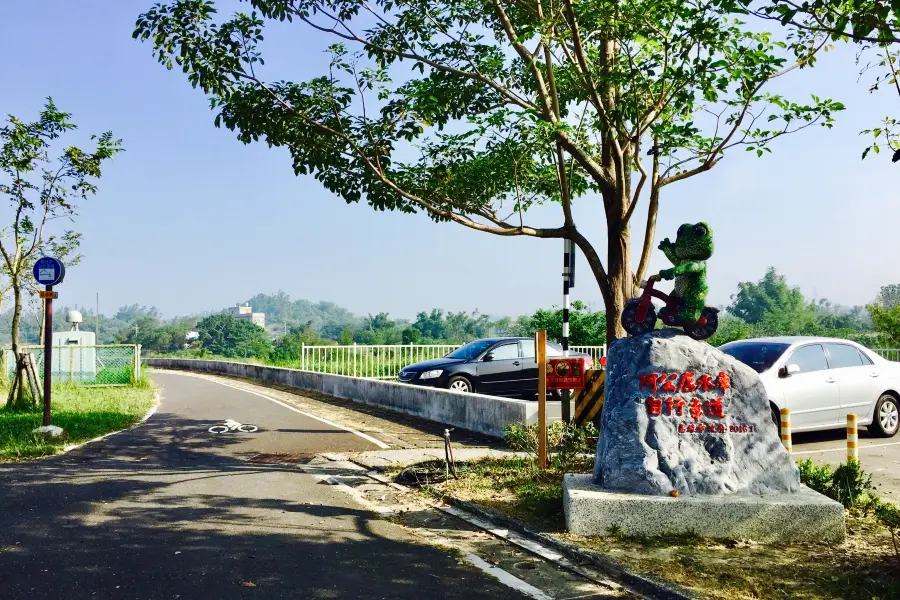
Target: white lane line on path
504 577
505 534
842 449
378 443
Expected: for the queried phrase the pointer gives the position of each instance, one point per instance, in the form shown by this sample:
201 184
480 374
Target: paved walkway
168 510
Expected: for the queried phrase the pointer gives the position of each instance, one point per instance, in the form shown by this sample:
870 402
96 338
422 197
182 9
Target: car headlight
431 374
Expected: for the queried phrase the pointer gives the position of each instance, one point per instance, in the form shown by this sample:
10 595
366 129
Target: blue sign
49 271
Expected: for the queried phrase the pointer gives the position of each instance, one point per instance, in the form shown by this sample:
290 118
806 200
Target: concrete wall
476 412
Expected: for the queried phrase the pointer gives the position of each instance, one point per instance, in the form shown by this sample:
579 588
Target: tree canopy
41 188
476 111
224 335
872 24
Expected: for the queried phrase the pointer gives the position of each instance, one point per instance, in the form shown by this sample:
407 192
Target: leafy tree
288 348
40 190
885 313
873 25
771 294
889 296
411 335
586 328
508 105
280 308
154 337
134 312
731 328
224 335
452 327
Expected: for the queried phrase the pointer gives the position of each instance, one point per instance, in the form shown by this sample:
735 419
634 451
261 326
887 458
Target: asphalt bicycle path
168 510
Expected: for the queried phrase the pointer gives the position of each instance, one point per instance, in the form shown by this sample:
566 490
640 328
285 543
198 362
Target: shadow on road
161 512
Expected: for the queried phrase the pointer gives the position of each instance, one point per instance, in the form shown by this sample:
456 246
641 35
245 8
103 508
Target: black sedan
495 366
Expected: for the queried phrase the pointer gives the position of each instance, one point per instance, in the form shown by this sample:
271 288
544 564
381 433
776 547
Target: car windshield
471 350
759 356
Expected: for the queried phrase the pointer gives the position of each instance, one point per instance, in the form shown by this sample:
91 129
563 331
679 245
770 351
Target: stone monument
688 445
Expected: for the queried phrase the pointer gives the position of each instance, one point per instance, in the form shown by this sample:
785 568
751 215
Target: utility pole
97 328
568 283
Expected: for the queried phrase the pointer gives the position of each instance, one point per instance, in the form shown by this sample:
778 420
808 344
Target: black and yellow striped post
590 398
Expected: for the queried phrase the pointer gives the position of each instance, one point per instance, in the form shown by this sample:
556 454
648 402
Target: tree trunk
17 314
620 282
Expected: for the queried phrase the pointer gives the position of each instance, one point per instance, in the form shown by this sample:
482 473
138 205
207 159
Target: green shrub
570 447
524 438
575 451
889 515
815 476
850 485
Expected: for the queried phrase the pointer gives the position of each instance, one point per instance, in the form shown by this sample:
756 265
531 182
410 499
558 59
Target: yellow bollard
786 429
852 438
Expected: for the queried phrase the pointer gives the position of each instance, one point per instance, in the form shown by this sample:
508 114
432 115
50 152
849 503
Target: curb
653 587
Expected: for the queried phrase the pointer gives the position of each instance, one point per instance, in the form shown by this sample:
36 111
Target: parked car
822 380
495 366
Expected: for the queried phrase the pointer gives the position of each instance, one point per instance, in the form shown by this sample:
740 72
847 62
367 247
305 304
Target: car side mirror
788 370
488 357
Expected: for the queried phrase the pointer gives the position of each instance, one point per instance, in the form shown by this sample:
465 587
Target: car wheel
886 419
458 383
776 418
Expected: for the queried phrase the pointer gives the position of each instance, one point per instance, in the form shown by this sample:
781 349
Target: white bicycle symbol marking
232 425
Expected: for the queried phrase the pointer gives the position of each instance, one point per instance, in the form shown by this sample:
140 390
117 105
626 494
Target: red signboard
565 373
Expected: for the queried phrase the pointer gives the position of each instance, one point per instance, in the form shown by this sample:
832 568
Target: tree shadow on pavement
152 513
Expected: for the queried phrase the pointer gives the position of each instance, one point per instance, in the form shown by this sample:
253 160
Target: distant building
245 311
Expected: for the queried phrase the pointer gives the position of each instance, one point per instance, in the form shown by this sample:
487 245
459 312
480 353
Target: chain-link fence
112 364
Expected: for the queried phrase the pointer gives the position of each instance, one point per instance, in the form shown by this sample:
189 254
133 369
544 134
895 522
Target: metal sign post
48 271
540 353
568 283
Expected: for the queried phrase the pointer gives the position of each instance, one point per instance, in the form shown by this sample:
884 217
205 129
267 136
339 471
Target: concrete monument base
803 516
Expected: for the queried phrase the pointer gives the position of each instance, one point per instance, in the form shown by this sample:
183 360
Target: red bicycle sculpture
639 316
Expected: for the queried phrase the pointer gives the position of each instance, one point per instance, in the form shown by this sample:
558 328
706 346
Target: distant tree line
767 307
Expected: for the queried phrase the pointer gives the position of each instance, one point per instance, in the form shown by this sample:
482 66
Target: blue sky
188 219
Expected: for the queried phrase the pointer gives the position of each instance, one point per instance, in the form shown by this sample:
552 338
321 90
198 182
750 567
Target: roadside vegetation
84 413
766 307
865 567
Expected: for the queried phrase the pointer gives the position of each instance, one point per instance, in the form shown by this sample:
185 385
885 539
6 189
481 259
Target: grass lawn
865 567
83 412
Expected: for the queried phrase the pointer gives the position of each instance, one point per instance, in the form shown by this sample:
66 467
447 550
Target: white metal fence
596 352
888 353
385 362
379 362
111 364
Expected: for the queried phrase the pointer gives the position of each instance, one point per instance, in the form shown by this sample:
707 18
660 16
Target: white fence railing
888 353
379 362
596 352
384 362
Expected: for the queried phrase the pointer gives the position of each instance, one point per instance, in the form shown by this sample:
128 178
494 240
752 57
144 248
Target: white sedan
822 380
